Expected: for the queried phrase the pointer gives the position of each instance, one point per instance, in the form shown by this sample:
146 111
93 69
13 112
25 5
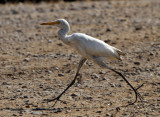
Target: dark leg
137 94
79 67
135 90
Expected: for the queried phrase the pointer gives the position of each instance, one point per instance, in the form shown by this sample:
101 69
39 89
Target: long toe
49 100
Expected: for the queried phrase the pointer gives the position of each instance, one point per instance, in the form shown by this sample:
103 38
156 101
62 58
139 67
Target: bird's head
62 23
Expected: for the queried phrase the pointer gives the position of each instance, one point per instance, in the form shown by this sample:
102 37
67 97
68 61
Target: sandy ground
35 65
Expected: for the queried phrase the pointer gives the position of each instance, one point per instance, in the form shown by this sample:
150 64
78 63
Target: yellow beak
50 23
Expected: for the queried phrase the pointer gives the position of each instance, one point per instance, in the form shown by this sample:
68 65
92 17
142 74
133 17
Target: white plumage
85 45
89 48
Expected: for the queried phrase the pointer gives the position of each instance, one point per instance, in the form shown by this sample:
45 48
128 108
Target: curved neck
62 33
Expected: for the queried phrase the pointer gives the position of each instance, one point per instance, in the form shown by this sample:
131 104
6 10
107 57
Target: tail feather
120 52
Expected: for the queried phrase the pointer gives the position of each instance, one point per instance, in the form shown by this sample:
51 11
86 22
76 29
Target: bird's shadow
54 110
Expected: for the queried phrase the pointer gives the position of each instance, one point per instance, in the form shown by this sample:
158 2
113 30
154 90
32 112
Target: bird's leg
58 97
135 90
137 94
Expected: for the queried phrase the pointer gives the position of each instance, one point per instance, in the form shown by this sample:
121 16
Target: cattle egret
89 48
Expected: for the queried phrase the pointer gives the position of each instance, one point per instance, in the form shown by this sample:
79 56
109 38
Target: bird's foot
56 100
138 95
140 86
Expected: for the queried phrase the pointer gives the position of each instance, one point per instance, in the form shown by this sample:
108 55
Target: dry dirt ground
35 65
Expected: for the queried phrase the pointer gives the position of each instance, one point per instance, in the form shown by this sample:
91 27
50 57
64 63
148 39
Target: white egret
89 48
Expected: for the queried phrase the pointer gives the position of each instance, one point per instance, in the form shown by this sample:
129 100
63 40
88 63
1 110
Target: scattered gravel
35 65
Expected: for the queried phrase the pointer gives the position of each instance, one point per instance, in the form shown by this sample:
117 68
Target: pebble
26 59
107 41
14 115
18 90
138 27
112 85
137 63
118 109
73 95
27 106
108 30
25 96
24 86
89 63
26 101
102 72
37 44
20 83
119 85
6 83
47 92
14 12
99 112
94 75
50 41
68 111
108 114
60 74
49 71
60 44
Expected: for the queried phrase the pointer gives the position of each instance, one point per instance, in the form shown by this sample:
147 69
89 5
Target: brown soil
35 65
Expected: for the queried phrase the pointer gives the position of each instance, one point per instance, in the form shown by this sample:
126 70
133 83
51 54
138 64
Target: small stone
137 63
46 92
73 95
124 114
107 41
18 90
119 85
88 98
39 71
108 30
20 83
9 87
98 111
56 68
112 85
42 77
151 54
25 96
24 86
60 74
102 72
27 106
26 101
14 115
107 114
12 99
68 111
48 87
14 12
5 83
50 41
138 27
60 44
118 109
94 75
103 78
26 59
50 72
